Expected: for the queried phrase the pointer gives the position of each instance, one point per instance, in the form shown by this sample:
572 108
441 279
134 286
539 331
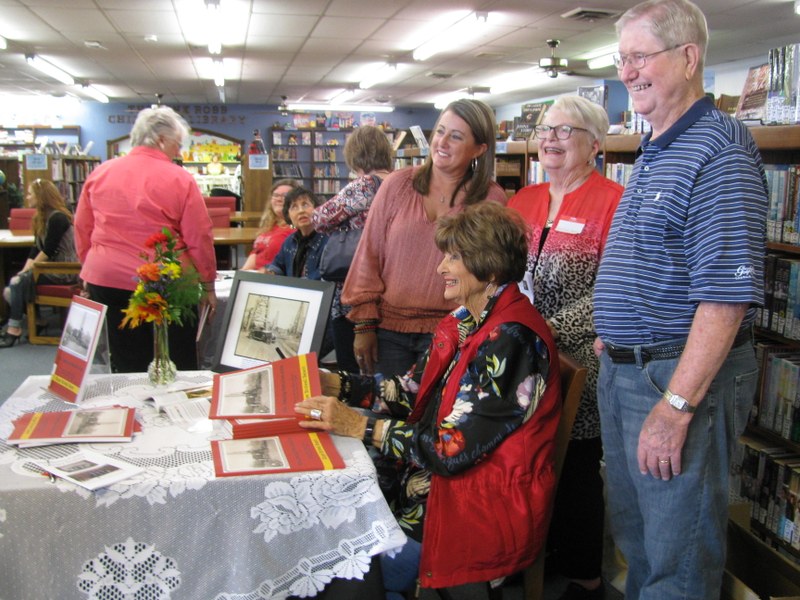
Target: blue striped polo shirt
691 227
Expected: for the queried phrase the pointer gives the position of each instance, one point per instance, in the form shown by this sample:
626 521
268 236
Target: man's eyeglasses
562 131
638 60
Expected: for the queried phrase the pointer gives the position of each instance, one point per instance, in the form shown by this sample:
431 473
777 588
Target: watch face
680 403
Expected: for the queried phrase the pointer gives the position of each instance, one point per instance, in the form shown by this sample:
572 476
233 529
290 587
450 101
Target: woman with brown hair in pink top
392 287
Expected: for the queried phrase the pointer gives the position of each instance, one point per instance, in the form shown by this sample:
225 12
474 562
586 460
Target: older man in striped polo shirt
675 300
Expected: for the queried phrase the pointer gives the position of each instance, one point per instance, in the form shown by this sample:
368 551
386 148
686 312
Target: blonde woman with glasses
274 228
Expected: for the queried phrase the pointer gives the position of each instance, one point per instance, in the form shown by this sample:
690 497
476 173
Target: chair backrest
50 294
20 220
228 202
573 379
220 216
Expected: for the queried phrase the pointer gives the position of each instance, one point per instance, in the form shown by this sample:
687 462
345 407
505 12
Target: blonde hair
269 218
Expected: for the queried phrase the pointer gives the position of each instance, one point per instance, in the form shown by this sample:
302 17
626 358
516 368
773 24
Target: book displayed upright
753 99
73 426
306 451
84 328
264 391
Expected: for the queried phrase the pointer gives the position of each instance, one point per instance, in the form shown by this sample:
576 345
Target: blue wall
104 122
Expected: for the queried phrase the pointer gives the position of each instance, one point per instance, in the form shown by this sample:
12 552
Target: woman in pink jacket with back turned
123 202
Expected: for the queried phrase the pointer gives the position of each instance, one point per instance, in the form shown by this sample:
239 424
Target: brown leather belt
627 355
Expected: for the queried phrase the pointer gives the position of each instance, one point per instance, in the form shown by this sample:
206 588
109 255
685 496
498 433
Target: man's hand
661 441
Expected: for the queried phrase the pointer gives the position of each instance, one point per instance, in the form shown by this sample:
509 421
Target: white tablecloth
175 531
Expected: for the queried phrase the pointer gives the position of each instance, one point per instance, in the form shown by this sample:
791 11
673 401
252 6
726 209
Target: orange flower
148 272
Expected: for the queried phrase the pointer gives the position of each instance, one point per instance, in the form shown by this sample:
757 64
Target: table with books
172 528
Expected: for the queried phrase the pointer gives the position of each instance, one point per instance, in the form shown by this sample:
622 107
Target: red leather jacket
490 520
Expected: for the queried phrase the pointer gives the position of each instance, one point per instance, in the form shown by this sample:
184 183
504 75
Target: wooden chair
573 379
50 294
20 220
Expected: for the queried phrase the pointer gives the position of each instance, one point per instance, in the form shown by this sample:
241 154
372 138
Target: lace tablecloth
175 531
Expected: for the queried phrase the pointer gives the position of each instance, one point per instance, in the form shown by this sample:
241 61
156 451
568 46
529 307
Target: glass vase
162 370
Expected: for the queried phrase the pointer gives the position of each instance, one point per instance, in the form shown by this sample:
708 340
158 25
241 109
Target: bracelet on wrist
344 386
369 431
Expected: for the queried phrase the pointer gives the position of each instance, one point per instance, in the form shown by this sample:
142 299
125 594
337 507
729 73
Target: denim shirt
283 262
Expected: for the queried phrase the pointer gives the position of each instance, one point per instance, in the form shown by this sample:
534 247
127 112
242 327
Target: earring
491 288
475 164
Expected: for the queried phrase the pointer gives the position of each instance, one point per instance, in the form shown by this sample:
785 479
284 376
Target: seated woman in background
299 254
274 228
369 154
55 241
473 422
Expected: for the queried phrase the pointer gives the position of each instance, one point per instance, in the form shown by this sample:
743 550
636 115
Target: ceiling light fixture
600 58
379 74
317 106
466 29
213 17
797 7
343 96
49 69
93 92
526 78
218 70
3 43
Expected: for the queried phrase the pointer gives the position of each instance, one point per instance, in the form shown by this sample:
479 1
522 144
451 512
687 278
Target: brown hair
368 149
48 200
492 241
480 119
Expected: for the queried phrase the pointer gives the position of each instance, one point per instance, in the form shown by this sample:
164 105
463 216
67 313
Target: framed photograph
269 317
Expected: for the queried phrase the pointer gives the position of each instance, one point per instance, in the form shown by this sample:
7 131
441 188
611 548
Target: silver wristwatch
678 402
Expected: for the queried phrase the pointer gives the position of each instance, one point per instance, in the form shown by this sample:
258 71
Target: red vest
490 520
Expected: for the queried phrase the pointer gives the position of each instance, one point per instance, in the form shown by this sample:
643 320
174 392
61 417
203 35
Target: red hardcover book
289 452
265 391
73 426
76 350
240 429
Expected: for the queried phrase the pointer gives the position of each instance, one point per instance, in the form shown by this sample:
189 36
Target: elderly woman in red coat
472 423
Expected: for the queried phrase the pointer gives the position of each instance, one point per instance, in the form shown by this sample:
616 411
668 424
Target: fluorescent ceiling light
311 106
50 69
601 62
598 52
219 72
797 7
527 78
3 43
342 96
92 91
466 29
378 74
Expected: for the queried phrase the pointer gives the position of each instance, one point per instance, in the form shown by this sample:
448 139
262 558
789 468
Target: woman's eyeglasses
562 131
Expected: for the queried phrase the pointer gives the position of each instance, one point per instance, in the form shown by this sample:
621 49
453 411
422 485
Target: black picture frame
269 317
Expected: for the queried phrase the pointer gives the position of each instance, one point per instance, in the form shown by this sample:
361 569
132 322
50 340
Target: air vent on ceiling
590 14
436 75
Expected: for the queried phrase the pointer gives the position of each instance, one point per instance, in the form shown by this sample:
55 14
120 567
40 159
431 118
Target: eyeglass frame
620 60
546 129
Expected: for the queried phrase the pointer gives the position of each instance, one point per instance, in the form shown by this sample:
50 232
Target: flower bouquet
165 293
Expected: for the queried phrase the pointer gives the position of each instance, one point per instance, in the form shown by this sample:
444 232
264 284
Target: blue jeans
398 352
672 533
400 573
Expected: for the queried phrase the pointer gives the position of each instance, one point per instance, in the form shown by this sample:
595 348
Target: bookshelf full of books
766 466
313 156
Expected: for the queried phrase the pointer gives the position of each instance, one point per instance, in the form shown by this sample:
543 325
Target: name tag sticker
570 225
